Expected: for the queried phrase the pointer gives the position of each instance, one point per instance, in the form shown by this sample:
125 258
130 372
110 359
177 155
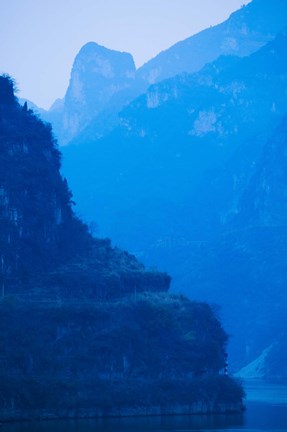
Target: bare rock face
98 74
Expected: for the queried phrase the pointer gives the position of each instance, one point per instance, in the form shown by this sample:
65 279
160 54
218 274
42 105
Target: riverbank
48 399
266 413
153 355
194 409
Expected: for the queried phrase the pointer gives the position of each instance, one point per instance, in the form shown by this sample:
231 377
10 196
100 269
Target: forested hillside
85 330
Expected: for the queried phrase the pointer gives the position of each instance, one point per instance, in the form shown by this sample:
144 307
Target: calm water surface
266 411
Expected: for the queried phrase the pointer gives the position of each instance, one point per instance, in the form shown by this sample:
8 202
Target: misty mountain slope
107 119
244 32
244 267
257 247
264 200
168 139
171 181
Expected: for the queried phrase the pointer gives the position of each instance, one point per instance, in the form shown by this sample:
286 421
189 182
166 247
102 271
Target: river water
266 411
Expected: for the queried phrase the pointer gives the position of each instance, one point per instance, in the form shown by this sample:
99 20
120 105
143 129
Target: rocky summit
98 76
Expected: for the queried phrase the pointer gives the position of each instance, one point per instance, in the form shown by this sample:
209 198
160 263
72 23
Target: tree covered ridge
35 200
39 231
151 336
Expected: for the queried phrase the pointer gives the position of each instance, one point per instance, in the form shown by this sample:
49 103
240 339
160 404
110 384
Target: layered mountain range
186 135
103 81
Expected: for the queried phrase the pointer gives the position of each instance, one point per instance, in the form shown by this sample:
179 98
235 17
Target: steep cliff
39 231
98 76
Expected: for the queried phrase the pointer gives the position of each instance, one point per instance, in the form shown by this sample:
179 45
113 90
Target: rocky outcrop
98 75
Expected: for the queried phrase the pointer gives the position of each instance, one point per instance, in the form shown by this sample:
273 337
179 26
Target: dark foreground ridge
85 330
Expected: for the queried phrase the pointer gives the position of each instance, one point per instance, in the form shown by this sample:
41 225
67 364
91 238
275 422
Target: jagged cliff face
98 74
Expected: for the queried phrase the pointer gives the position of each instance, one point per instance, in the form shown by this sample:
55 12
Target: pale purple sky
40 38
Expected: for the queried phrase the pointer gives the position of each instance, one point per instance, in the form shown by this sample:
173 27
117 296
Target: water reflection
260 391
266 406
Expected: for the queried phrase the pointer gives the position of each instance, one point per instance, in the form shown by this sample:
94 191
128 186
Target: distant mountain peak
99 60
98 74
92 47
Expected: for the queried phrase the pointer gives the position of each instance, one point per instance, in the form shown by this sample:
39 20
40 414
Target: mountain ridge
245 31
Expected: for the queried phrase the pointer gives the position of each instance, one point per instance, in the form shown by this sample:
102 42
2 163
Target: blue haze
42 38
173 179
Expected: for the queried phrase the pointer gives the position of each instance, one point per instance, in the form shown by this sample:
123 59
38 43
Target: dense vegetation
35 207
150 351
85 330
40 236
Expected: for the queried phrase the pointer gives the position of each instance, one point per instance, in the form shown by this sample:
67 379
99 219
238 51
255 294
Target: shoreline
101 413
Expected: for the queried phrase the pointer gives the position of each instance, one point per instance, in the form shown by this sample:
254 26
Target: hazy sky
40 38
